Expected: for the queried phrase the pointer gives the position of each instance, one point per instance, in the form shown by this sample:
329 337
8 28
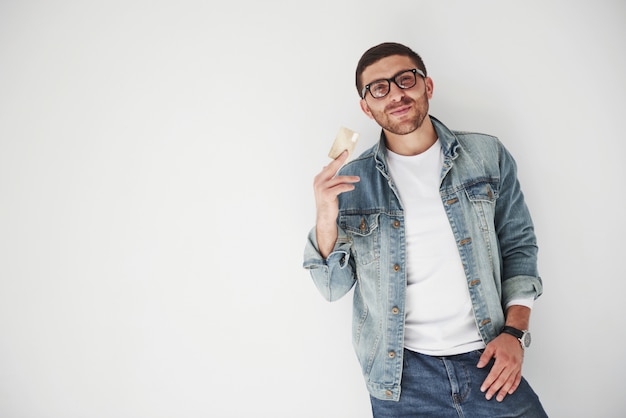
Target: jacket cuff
333 276
521 287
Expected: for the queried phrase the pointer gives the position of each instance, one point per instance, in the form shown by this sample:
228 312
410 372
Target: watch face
527 339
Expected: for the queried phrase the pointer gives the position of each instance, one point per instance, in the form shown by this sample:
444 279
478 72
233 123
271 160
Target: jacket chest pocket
365 234
483 196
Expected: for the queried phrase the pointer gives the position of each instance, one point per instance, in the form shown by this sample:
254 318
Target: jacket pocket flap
360 224
486 190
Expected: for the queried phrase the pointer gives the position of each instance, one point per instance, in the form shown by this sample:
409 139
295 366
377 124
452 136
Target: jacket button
392 354
396 223
396 267
465 241
388 393
395 310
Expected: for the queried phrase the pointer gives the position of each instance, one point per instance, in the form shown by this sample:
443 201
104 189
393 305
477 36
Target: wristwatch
522 336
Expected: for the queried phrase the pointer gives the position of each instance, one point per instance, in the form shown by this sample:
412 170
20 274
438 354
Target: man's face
400 111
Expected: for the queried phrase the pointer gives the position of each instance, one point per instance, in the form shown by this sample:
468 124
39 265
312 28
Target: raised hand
327 186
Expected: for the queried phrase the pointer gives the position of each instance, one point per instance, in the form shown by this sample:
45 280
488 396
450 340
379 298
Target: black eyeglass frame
415 71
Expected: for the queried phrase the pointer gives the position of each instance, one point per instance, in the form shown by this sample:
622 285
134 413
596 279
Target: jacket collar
447 139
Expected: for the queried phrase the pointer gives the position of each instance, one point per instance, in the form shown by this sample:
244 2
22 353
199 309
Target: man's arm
327 252
518 249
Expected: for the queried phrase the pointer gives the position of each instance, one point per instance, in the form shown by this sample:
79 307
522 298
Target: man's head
381 51
394 88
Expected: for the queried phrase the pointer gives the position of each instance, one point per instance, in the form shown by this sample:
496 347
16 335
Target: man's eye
378 88
405 80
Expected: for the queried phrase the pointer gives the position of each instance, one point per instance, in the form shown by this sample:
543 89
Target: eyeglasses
380 88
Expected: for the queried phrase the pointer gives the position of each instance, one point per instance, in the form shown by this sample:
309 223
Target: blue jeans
450 387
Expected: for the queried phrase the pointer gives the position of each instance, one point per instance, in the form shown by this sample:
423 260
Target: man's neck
415 142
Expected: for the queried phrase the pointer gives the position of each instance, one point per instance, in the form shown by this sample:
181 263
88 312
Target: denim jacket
491 225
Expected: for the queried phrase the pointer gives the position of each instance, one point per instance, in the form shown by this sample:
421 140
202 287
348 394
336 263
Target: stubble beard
420 107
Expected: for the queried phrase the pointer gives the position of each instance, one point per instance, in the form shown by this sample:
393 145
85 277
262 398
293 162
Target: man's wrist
523 335
518 316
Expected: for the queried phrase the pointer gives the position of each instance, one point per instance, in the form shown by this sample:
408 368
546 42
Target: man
431 229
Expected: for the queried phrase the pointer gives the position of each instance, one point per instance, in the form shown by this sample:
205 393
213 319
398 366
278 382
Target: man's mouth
400 111
402 108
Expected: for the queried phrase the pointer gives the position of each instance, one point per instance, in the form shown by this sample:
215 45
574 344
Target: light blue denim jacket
493 231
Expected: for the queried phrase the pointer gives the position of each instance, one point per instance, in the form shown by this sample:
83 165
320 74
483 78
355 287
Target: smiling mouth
401 108
400 111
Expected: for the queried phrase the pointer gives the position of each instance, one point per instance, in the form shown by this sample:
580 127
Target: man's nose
395 92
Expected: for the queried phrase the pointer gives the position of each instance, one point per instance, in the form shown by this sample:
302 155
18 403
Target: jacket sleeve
516 236
334 276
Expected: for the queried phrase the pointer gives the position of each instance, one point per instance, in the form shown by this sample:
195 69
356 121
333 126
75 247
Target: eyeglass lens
404 80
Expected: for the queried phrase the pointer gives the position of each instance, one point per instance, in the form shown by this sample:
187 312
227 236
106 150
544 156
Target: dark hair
381 51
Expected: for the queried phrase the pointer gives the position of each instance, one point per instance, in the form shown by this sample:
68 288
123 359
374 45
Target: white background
156 166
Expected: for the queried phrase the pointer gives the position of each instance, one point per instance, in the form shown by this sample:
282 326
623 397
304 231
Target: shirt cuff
523 302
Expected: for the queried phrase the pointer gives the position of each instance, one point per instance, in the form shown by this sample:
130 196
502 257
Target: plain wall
156 168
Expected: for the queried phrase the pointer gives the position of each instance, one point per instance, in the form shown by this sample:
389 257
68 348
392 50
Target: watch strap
512 331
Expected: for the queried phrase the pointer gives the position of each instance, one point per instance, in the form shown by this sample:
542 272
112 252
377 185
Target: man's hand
327 187
506 373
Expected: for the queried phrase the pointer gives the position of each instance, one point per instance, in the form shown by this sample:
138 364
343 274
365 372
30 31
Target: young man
431 229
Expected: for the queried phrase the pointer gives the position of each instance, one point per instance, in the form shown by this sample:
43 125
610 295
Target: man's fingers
322 183
330 171
334 166
337 185
516 383
489 383
342 188
505 383
509 386
504 390
485 358
500 386
343 180
341 158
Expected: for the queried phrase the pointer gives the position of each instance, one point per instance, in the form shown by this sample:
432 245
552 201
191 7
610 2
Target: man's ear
366 109
430 87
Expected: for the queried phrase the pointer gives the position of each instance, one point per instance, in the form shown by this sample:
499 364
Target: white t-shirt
439 316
